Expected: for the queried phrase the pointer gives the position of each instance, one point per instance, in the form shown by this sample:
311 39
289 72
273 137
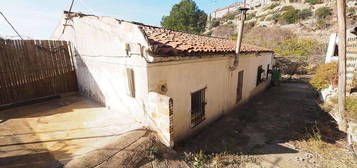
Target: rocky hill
270 24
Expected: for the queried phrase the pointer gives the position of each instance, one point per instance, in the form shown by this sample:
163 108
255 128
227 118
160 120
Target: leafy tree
187 17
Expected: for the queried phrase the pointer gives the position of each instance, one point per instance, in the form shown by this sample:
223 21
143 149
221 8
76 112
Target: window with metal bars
198 104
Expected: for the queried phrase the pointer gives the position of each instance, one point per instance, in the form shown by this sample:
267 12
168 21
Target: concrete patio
51 133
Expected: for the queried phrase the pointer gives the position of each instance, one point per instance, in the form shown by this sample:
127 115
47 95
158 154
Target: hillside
273 23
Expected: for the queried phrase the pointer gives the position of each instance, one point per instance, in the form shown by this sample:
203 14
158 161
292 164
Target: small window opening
198 104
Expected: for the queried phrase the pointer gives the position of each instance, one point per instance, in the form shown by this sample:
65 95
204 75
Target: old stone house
174 82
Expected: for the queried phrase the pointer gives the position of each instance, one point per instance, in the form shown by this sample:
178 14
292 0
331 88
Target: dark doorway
240 86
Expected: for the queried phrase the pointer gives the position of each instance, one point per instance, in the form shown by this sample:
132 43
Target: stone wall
159 112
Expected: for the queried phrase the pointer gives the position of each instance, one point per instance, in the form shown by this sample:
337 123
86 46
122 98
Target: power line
13 28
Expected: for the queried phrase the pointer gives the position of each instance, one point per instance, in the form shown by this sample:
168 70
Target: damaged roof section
171 43
166 42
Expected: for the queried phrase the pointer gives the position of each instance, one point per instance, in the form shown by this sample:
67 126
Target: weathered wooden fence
32 69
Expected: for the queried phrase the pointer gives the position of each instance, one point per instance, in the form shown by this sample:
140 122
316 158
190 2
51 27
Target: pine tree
187 17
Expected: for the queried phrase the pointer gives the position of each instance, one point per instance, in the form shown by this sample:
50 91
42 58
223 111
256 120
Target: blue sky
38 18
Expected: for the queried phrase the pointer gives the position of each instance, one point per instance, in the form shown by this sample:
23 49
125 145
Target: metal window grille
198 104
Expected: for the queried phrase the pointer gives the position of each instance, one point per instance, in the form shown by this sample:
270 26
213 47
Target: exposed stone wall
351 62
159 112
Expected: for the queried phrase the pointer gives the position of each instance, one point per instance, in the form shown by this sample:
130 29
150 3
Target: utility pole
341 16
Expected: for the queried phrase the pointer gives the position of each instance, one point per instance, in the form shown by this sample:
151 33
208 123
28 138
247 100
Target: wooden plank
21 62
55 68
74 85
3 74
9 64
48 66
65 64
30 72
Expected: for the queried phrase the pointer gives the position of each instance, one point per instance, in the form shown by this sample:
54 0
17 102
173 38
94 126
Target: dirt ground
53 132
283 127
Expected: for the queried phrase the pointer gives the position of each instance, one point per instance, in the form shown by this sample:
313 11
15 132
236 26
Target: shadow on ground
281 114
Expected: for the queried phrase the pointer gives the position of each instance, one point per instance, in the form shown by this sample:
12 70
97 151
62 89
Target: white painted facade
106 49
184 77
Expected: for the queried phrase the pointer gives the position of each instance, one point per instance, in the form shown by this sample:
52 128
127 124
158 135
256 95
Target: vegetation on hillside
187 17
326 75
297 47
313 2
289 15
323 12
266 37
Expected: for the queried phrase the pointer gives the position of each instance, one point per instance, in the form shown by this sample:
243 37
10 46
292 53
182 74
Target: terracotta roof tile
168 42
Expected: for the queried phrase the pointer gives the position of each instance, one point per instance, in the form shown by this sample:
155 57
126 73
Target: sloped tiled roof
170 43
166 42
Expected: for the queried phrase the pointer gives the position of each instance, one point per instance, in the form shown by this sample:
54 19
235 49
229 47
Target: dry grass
221 160
330 155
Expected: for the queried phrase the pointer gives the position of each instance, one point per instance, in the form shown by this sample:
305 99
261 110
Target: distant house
174 82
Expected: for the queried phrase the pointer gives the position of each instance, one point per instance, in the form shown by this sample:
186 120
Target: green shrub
230 16
275 17
250 16
350 104
321 23
351 107
323 12
326 74
289 16
287 8
297 47
273 5
305 13
215 23
313 2
234 36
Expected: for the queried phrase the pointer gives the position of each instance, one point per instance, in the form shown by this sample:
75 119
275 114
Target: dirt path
282 127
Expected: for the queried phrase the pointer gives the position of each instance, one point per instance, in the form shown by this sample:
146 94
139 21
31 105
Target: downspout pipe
239 37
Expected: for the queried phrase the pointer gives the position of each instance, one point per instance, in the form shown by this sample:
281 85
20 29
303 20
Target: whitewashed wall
184 77
102 61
